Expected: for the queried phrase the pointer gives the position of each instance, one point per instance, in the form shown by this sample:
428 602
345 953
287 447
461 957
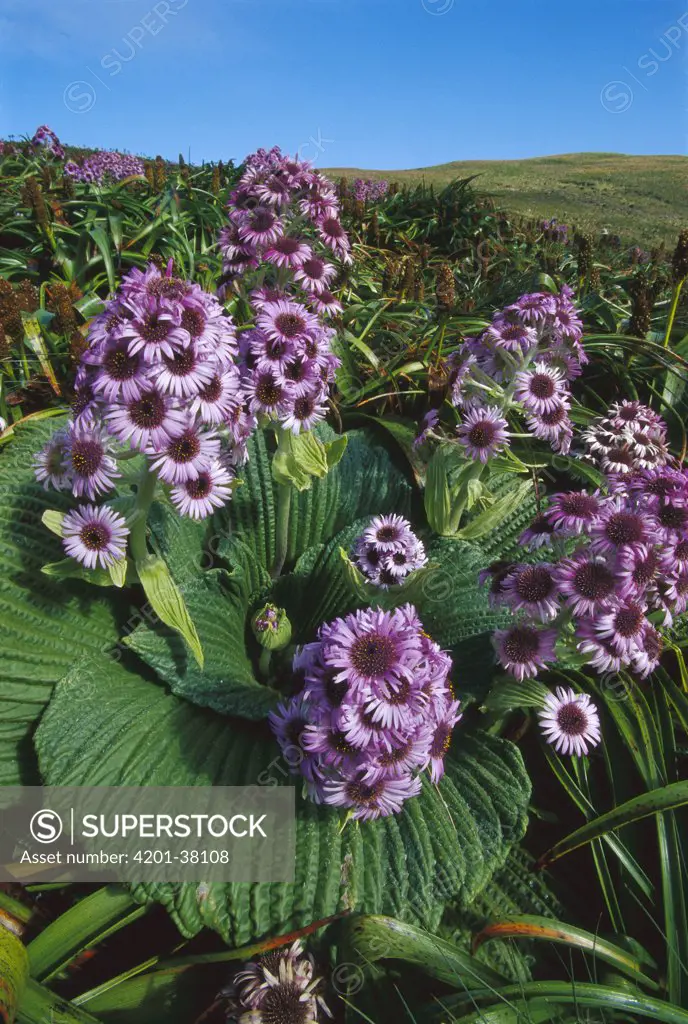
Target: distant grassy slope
642 198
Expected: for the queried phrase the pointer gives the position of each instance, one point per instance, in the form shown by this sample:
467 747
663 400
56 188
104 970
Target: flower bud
271 628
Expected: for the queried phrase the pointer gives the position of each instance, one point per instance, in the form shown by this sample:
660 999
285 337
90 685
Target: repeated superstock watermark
80 96
617 95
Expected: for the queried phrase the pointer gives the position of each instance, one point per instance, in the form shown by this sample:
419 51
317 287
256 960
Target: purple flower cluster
388 551
104 166
284 218
45 138
367 191
376 709
631 436
524 360
554 231
159 377
619 569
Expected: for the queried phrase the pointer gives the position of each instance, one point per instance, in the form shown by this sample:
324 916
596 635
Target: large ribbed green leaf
46 627
367 481
219 606
123 730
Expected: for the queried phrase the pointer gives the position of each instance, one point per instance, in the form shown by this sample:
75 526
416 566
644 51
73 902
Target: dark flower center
172 287
148 411
393 757
399 558
95 536
624 528
119 365
645 571
534 584
154 329
184 448
582 506
661 487
282 1004
295 371
199 488
629 621
652 644
181 363
682 550
553 417
514 332
314 268
335 690
481 435
268 392
541 525
541 385
262 221
572 719
362 794
193 321
287 245
54 460
212 391
593 581
673 516
373 654
290 325
388 533
83 396
620 456
303 407
522 644
340 743
398 696
332 228
295 730
441 741
87 457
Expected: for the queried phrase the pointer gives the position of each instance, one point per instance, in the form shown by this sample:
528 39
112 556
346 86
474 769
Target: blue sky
368 83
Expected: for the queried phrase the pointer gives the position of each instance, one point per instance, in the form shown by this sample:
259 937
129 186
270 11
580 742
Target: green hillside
639 197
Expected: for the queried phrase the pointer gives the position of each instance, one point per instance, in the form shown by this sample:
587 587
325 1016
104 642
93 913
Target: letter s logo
46 826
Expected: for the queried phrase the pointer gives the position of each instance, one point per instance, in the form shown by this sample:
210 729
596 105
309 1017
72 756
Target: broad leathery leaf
53 521
117 728
167 601
48 626
365 482
69 568
495 515
301 457
118 571
437 497
220 605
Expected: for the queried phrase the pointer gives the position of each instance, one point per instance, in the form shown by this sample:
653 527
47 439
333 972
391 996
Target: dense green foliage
440 913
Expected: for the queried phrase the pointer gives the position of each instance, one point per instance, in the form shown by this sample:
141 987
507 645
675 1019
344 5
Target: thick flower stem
264 663
144 499
672 311
282 539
